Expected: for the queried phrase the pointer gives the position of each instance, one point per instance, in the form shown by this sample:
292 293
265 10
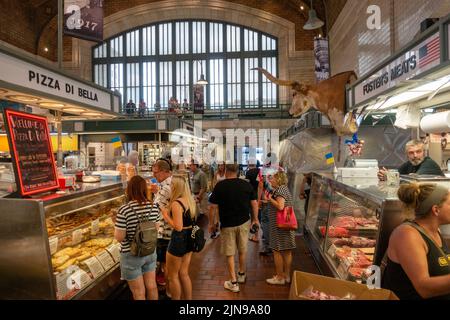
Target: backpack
144 241
198 238
197 234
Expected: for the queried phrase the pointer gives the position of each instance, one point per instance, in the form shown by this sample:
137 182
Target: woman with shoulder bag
281 241
181 216
138 271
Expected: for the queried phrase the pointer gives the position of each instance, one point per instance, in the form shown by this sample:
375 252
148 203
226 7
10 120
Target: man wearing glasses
162 171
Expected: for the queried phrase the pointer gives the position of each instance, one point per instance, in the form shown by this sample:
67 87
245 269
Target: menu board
31 149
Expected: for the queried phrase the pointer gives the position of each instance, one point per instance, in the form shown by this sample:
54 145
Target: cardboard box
336 287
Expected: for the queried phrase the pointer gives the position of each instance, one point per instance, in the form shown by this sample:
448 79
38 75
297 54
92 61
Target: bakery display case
348 226
61 246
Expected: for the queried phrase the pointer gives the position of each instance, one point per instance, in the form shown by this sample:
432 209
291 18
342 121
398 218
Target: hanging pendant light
313 22
202 81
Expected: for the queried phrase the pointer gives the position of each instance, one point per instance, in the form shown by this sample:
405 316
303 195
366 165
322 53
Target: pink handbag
286 219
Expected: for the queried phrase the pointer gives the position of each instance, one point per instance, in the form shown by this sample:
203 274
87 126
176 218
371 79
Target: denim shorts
132 267
179 243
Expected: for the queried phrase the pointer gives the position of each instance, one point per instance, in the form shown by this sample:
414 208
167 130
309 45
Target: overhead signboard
421 58
31 150
84 19
28 75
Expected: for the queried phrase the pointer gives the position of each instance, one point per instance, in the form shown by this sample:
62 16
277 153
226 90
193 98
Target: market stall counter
348 225
60 246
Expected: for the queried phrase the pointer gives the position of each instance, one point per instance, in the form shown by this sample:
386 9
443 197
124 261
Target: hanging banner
322 62
84 19
199 99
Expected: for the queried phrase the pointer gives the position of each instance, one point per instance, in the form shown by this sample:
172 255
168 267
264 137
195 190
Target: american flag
430 52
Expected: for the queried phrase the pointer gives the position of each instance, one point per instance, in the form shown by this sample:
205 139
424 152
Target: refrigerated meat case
61 246
347 225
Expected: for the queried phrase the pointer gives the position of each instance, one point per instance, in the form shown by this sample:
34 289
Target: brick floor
208 272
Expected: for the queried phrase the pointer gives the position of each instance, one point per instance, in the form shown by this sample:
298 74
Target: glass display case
64 245
347 226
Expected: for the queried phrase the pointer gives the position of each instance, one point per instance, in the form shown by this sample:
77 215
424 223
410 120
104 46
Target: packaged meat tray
334 232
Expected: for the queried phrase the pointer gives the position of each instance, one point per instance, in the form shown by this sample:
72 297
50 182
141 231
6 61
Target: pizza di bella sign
421 58
28 75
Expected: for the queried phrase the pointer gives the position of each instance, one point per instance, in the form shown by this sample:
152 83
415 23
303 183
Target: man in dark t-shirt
417 162
235 199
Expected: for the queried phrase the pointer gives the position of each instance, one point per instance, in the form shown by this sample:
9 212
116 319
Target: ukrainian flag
116 142
330 158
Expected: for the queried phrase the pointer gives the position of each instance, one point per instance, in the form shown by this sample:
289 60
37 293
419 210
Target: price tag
94 266
114 250
62 289
76 237
80 279
332 251
105 259
94 227
343 270
53 241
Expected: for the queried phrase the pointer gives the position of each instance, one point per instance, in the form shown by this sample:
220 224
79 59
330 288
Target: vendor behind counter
417 162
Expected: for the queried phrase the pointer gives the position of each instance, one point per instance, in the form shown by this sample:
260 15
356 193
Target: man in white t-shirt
162 171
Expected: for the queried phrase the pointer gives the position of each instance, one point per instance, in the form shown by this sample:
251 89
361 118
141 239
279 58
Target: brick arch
49 38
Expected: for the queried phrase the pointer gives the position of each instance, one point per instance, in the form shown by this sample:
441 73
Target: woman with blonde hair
282 242
180 217
418 264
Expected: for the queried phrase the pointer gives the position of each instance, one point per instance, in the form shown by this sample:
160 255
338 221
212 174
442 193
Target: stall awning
42 85
419 74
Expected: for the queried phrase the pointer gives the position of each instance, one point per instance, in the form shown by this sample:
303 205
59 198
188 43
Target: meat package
353 257
354 242
313 294
350 222
334 232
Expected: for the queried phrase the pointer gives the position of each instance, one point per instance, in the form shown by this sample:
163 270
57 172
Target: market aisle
208 273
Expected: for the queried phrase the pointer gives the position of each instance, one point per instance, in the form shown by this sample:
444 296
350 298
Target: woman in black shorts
182 213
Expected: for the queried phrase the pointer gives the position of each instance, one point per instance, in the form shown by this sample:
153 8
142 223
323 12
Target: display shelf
348 228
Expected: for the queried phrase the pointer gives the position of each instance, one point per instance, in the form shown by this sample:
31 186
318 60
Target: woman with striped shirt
280 241
138 271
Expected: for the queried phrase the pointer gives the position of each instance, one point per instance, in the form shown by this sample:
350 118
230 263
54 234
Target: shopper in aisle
235 199
180 216
264 188
418 259
130 108
218 176
282 242
417 162
252 176
142 108
199 187
162 171
305 189
139 272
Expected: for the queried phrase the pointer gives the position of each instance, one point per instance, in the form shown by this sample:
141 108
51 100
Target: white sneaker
241 277
230 286
275 280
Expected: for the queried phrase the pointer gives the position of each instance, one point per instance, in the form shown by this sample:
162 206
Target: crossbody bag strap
422 231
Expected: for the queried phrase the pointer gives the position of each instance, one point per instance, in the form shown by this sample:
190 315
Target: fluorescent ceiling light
51 105
23 98
91 114
74 109
428 110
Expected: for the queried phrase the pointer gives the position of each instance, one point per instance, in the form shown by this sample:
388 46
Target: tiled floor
208 273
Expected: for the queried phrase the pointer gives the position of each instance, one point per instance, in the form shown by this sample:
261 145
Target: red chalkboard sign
31 149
